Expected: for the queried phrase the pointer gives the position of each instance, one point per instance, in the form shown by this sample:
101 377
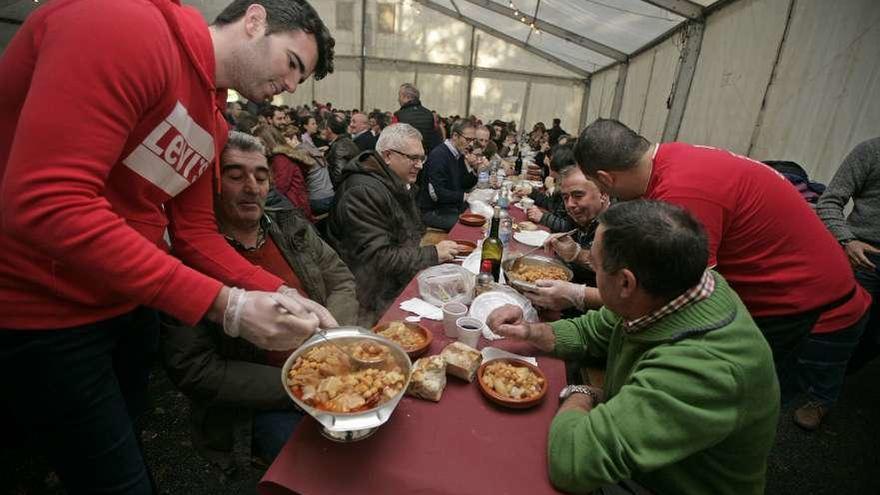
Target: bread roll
462 360
428 378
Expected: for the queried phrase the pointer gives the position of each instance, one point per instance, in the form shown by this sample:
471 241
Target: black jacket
340 153
366 141
376 229
414 114
443 181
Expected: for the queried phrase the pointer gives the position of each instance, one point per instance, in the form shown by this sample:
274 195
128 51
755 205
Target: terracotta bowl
412 352
507 401
465 247
472 219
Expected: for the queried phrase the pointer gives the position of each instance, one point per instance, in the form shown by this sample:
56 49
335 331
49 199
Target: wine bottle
493 249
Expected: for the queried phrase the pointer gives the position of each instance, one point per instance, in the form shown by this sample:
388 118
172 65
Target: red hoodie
109 126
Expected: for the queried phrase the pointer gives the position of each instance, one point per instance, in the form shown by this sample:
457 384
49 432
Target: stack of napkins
422 308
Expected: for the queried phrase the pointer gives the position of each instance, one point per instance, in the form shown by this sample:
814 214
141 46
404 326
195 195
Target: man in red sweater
765 240
84 212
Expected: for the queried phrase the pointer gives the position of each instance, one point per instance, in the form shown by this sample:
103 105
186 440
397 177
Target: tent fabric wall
825 98
445 93
602 86
495 53
739 48
497 99
549 101
648 87
427 36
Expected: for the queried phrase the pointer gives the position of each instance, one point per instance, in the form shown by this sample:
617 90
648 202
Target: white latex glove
564 246
558 295
268 320
325 318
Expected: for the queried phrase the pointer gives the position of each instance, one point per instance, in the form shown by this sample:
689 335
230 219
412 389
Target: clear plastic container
446 283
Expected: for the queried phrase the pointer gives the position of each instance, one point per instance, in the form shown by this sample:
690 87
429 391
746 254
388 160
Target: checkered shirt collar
696 293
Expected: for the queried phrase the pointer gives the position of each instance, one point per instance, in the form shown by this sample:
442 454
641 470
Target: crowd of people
712 288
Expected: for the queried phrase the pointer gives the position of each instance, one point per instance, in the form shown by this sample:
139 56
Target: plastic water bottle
483 178
505 226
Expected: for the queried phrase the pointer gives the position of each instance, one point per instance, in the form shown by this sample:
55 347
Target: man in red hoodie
769 245
85 206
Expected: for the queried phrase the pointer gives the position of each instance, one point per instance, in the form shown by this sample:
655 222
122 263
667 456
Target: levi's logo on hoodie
174 154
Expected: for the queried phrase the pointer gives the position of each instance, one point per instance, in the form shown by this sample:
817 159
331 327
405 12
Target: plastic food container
446 283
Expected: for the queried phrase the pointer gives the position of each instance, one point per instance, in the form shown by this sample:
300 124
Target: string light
522 18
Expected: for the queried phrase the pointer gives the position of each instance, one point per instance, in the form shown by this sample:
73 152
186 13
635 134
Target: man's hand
446 250
475 161
557 295
535 214
325 318
857 252
268 320
507 321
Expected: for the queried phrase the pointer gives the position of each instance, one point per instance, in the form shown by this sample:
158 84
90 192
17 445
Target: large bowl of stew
341 394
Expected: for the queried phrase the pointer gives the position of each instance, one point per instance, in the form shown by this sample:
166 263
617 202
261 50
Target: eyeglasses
468 139
413 158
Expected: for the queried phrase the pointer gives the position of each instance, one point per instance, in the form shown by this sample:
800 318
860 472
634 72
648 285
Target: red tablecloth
462 445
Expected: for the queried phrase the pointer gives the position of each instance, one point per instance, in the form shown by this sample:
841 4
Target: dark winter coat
376 229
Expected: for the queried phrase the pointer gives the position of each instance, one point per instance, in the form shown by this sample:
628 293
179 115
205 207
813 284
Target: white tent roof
583 36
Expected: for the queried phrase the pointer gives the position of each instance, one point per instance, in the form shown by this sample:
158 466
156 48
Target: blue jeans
271 431
823 359
74 393
869 346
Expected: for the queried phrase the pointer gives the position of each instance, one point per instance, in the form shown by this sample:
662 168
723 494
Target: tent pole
363 50
470 71
525 108
585 106
683 79
619 88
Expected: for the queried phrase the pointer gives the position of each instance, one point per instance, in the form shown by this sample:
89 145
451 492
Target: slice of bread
428 378
462 360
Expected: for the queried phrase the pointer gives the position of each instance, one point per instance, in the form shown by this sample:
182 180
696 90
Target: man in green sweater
690 400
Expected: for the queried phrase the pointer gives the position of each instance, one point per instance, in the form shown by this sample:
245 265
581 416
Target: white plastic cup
451 312
469 330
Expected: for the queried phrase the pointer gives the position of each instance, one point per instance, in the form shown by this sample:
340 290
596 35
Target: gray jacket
858 178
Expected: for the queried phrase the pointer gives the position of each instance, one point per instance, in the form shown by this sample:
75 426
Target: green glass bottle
493 249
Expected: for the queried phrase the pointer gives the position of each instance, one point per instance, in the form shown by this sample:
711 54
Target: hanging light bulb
516 13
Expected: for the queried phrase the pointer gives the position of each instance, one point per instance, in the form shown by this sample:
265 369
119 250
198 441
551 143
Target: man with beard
79 312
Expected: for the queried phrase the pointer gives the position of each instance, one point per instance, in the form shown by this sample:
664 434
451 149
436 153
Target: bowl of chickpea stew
414 338
512 383
342 396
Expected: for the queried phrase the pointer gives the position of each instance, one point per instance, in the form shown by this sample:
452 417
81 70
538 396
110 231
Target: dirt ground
841 458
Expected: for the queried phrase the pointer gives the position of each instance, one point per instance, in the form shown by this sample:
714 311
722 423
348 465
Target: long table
462 445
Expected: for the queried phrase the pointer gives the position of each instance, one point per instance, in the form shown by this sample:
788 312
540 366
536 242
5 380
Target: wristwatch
578 389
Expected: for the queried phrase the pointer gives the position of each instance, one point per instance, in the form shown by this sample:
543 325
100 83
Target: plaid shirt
696 293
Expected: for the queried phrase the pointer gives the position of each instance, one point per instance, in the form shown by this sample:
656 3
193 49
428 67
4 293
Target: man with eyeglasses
375 224
449 173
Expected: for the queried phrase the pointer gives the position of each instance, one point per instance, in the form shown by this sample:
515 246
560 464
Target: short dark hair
608 144
337 123
561 156
289 15
662 244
